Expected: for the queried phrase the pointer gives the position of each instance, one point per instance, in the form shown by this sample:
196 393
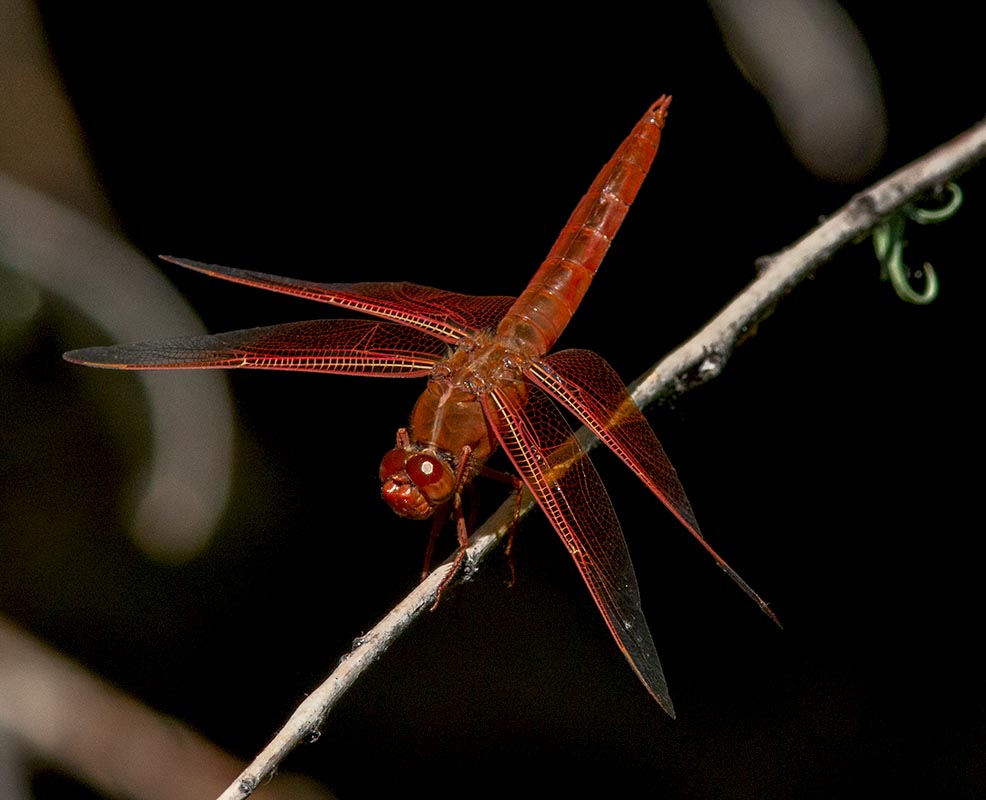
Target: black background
834 463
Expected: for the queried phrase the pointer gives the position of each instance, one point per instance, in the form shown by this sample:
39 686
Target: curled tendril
888 241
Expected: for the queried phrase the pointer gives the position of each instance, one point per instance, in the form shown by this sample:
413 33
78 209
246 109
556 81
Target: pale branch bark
699 359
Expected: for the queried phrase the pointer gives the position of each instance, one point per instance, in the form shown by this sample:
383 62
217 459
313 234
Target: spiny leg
437 523
518 486
461 528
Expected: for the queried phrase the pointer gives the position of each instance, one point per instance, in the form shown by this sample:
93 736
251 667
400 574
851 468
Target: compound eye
424 470
392 463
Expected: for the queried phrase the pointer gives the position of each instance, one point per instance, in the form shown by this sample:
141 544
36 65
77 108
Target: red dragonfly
491 383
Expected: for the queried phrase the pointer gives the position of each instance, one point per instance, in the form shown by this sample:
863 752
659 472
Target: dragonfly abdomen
543 310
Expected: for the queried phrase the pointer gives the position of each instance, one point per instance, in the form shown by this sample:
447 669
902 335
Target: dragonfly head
415 483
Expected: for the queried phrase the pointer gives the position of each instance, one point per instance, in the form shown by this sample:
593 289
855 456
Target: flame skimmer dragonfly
491 383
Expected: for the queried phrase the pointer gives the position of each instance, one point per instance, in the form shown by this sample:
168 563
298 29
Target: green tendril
888 242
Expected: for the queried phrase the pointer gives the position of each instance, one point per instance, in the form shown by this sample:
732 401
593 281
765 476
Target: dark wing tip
185 262
103 357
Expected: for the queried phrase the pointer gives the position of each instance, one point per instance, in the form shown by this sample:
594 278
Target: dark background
832 464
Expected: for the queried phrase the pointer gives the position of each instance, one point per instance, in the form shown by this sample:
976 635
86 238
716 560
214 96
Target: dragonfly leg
462 534
437 523
461 528
403 439
510 537
518 486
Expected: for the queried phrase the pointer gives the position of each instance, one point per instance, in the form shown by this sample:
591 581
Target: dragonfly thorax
479 364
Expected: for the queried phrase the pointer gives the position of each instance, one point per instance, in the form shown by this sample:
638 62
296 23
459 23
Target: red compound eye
424 470
392 463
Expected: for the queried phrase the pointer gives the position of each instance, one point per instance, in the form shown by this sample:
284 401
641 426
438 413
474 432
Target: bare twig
700 358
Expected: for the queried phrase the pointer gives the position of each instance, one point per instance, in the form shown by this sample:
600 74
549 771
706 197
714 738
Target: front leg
461 528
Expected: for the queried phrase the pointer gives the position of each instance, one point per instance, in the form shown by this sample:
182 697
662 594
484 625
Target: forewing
447 315
555 468
589 387
351 346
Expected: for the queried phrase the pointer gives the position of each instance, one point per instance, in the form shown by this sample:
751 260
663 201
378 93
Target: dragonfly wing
590 388
350 346
448 316
555 468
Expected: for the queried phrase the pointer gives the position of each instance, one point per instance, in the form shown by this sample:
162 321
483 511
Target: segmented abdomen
541 313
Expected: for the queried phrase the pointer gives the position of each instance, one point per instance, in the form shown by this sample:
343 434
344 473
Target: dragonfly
492 383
